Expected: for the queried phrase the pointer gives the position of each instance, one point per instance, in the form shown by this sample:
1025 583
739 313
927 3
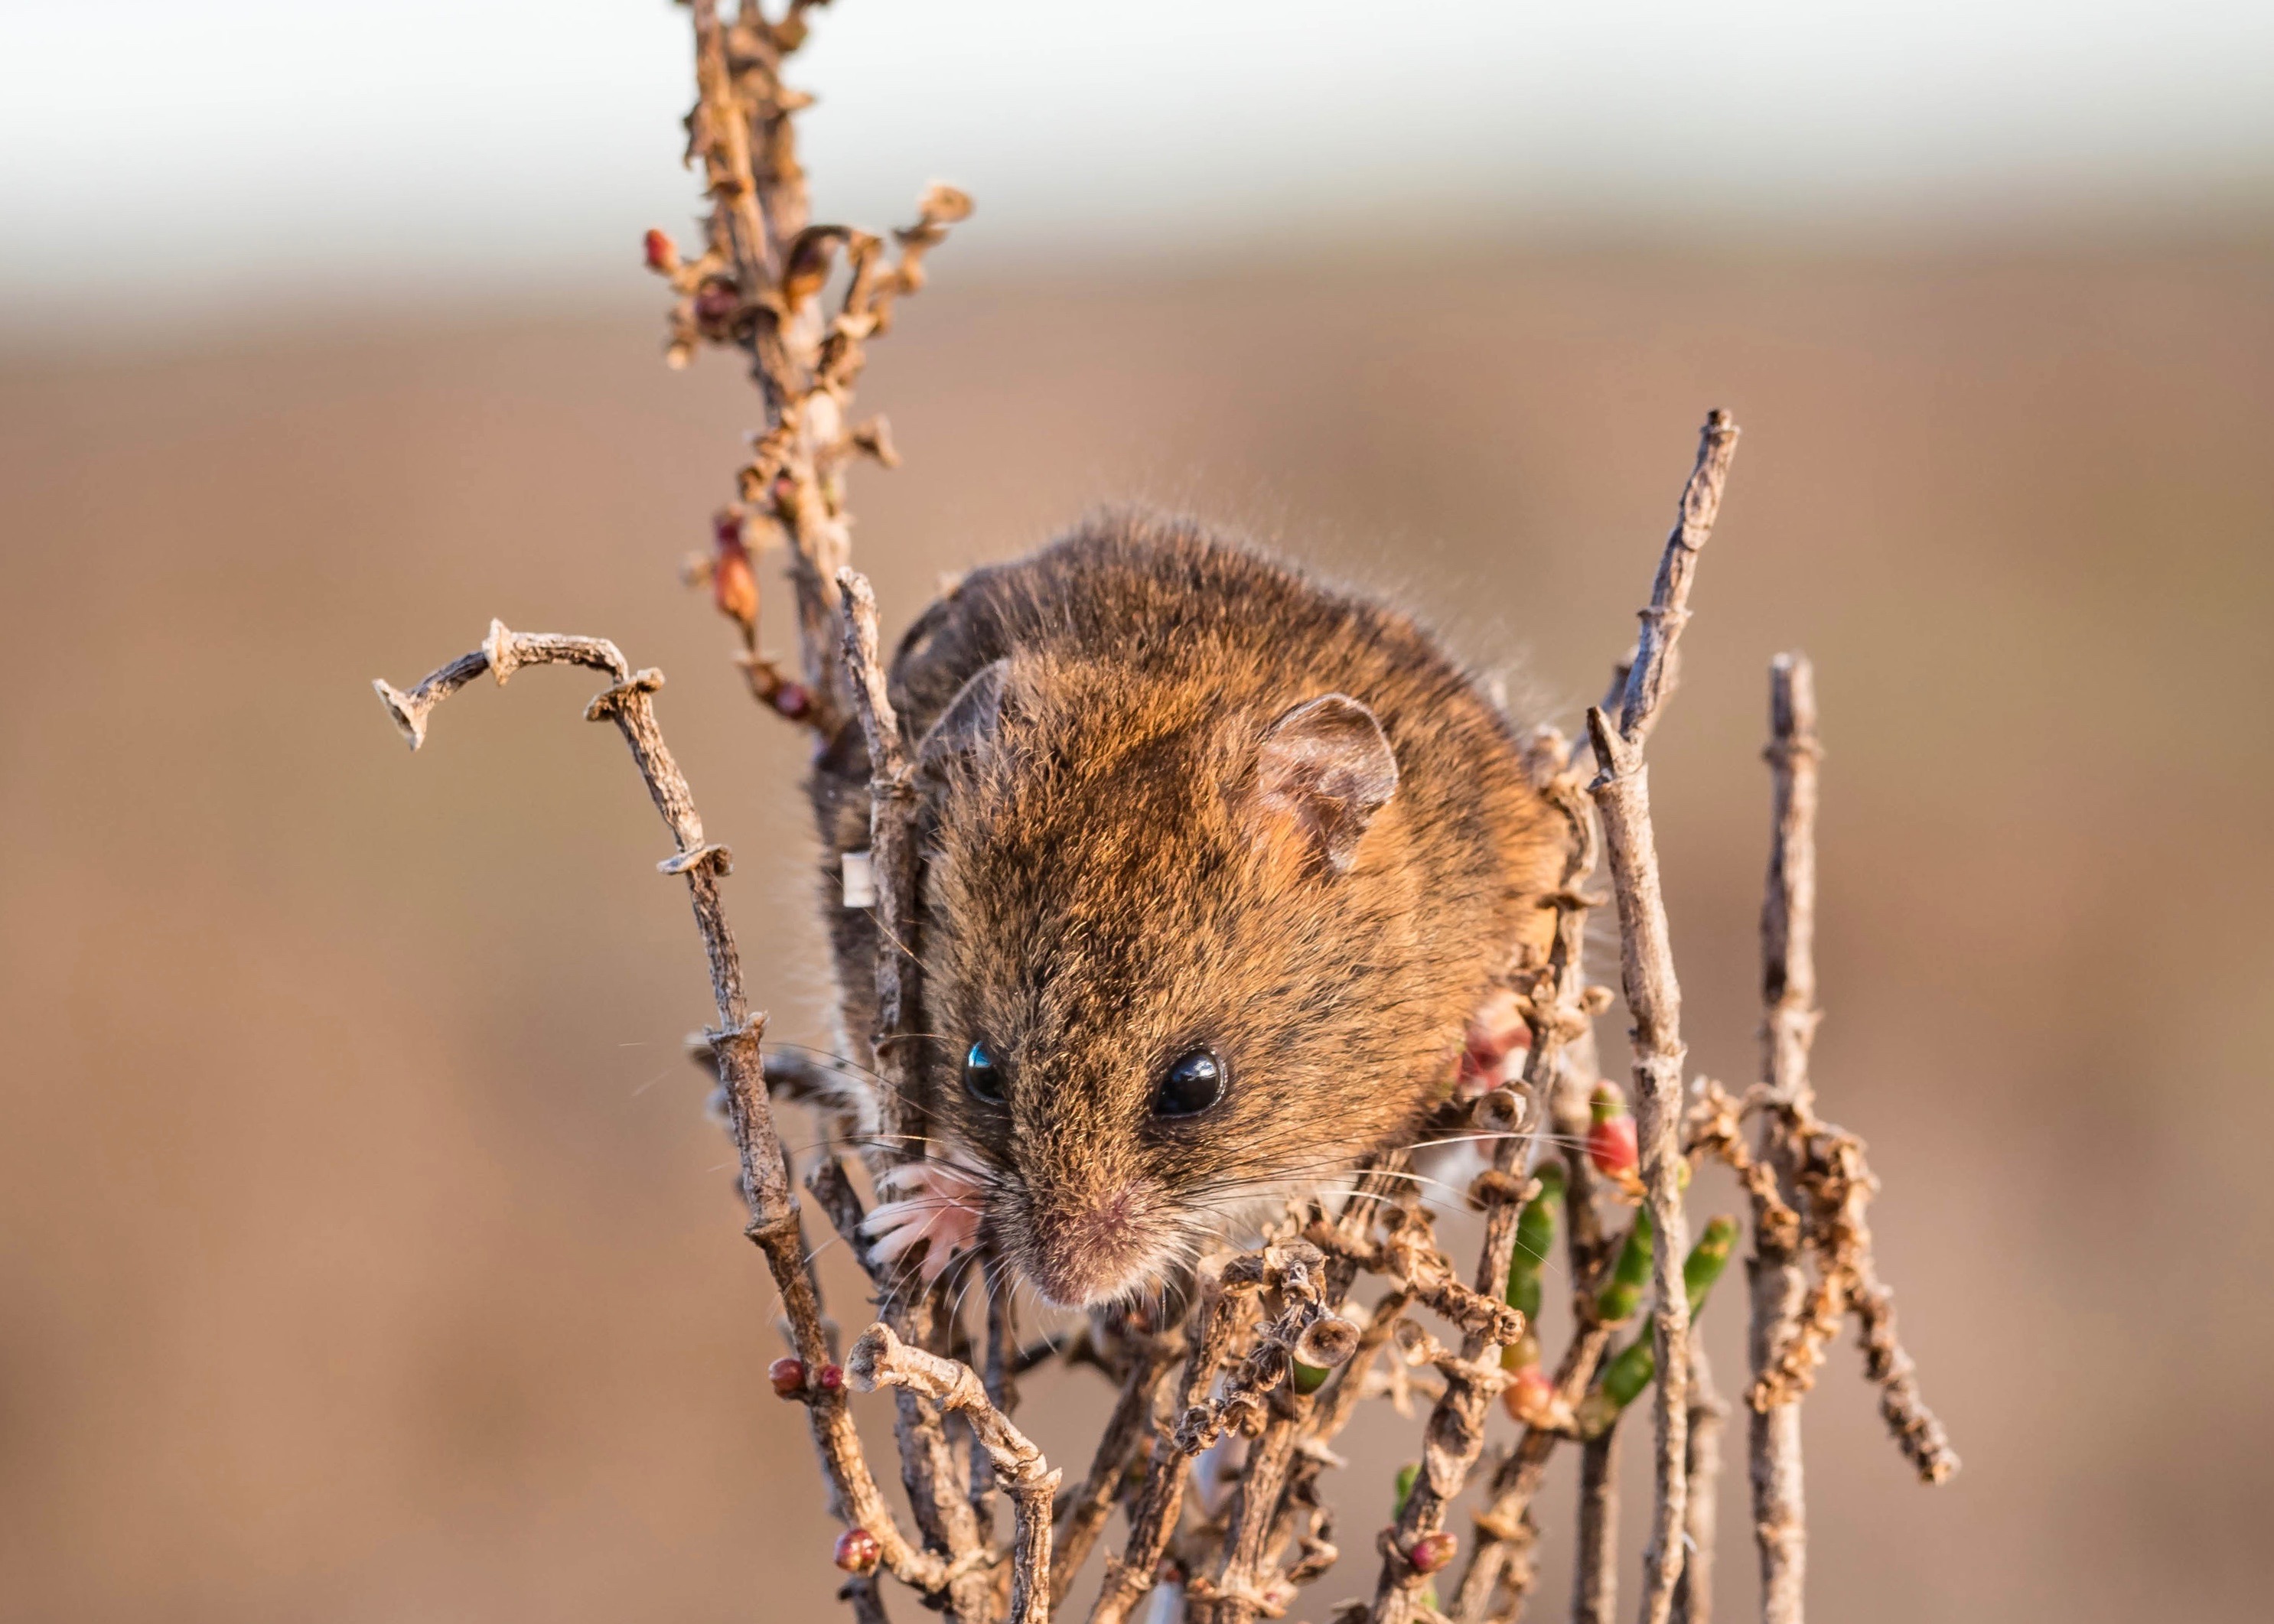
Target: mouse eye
1190 1086
983 1077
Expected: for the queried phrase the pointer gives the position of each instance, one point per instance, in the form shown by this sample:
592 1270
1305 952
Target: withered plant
1348 1297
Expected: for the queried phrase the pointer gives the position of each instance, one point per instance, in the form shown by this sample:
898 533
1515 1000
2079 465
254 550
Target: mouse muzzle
1081 1248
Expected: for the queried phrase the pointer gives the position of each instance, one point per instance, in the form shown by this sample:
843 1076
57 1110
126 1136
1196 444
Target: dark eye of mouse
1190 1086
981 1075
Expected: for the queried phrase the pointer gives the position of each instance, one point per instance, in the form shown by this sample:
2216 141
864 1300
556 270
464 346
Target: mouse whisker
963 1270
831 1241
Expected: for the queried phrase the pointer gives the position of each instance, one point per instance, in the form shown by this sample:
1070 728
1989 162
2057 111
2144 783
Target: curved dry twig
774 1223
882 1359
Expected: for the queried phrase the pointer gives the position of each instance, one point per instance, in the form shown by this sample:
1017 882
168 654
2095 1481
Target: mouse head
1174 965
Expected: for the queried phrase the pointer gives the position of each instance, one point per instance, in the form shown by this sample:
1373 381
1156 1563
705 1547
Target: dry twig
1777 1284
1621 793
1560 1074
757 286
1822 1169
774 1223
1693 1594
881 1360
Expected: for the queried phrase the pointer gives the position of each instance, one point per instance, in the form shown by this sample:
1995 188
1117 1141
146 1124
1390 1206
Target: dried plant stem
1153 1518
891 857
1455 1433
1916 1429
1595 1581
1151 1360
1777 1284
1504 1529
946 1508
758 288
938 1491
1621 793
774 1224
1559 1072
881 1360
1240 1588
1693 1594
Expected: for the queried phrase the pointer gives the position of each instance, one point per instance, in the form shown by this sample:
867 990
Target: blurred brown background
364 1253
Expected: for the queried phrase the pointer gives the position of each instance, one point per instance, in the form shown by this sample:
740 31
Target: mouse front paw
938 1202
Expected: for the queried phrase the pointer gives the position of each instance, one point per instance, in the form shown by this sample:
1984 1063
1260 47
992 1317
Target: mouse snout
1090 1246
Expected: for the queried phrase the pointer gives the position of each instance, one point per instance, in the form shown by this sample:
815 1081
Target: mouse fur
1179 796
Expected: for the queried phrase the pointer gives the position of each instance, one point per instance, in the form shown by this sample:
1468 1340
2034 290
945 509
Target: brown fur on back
1098 901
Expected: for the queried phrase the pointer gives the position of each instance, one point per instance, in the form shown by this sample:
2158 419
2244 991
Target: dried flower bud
734 585
1500 1110
1530 1397
793 701
1432 1552
662 253
716 302
829 1379
1243 1413
1327 1342
857 1551
945 203
788 1377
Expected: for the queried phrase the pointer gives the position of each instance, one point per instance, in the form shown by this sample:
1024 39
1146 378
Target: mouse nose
1092 1251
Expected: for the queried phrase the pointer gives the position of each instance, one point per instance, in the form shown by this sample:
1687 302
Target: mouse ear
1325 769
969 725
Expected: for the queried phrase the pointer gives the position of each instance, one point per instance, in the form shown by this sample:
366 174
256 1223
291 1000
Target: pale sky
166 156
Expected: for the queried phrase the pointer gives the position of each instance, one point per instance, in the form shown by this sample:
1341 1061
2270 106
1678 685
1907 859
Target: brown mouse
1220 865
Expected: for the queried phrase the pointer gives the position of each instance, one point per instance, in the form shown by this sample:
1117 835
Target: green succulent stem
1535 1239
1634 1366
1622 1294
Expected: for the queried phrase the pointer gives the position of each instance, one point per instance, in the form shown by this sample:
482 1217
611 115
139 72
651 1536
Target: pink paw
935 1202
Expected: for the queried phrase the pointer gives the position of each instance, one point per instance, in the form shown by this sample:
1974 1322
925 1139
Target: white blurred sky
160 157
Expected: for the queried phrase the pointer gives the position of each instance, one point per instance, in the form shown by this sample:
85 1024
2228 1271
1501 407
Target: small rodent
1221 866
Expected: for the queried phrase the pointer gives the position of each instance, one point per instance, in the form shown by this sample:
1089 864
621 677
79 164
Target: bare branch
1822 1170
1153 1518
881 1360
758 288
774 1223
1596 1571
1778 1286
1650 676
1693 1596
1558 1071
1621 793
1151 1360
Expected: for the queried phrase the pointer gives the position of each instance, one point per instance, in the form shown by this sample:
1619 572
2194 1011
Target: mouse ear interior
971 722
1324 769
